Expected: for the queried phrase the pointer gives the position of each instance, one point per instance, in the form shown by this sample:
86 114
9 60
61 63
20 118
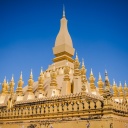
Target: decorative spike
106 75
120 90
83 62
21 75
114 83
100 76
31 74
76 55
125 84
91 72
120 84
5 79
41 70
12 78
7 82
63 10
100 84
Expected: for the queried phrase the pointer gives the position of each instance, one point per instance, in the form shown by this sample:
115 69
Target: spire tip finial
114 82
31 74
63 10
100 76
12 77
82 62
21 75
91 72
41 69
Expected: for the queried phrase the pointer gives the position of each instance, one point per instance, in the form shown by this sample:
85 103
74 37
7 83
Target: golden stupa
63 96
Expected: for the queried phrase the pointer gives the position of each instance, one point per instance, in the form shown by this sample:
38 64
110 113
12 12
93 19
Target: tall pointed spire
83 65
21 75
106 75
100 76
77 56
12 85
115 90
107 83
120 90
100 85
41 81
31 75
19 89
126 89
30 83
92 81
63 49
63 10
91 73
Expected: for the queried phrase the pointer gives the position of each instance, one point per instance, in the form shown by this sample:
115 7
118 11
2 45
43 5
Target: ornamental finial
76 55
125 84
91 72
100 76
12 78
31 74
114 82
21 75
41 70
120 84
5 79
82 62
106 75
63 10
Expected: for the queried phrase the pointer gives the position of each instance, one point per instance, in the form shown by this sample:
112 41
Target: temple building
63 96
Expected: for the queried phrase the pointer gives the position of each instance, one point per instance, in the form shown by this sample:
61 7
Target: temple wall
103 123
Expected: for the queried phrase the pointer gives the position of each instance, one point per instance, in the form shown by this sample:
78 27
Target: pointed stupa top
114 83
83 63
12 78
21 75
31 75
125 85
100 78
106 75
91 72
41 70
63 10
120 84
63 48
77 56
5 79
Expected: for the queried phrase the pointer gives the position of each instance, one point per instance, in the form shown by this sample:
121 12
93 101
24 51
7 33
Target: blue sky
99 30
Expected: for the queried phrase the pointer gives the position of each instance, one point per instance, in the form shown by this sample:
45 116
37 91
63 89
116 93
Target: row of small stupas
72 81
63 77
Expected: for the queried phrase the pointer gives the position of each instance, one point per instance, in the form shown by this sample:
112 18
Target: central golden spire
63 49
